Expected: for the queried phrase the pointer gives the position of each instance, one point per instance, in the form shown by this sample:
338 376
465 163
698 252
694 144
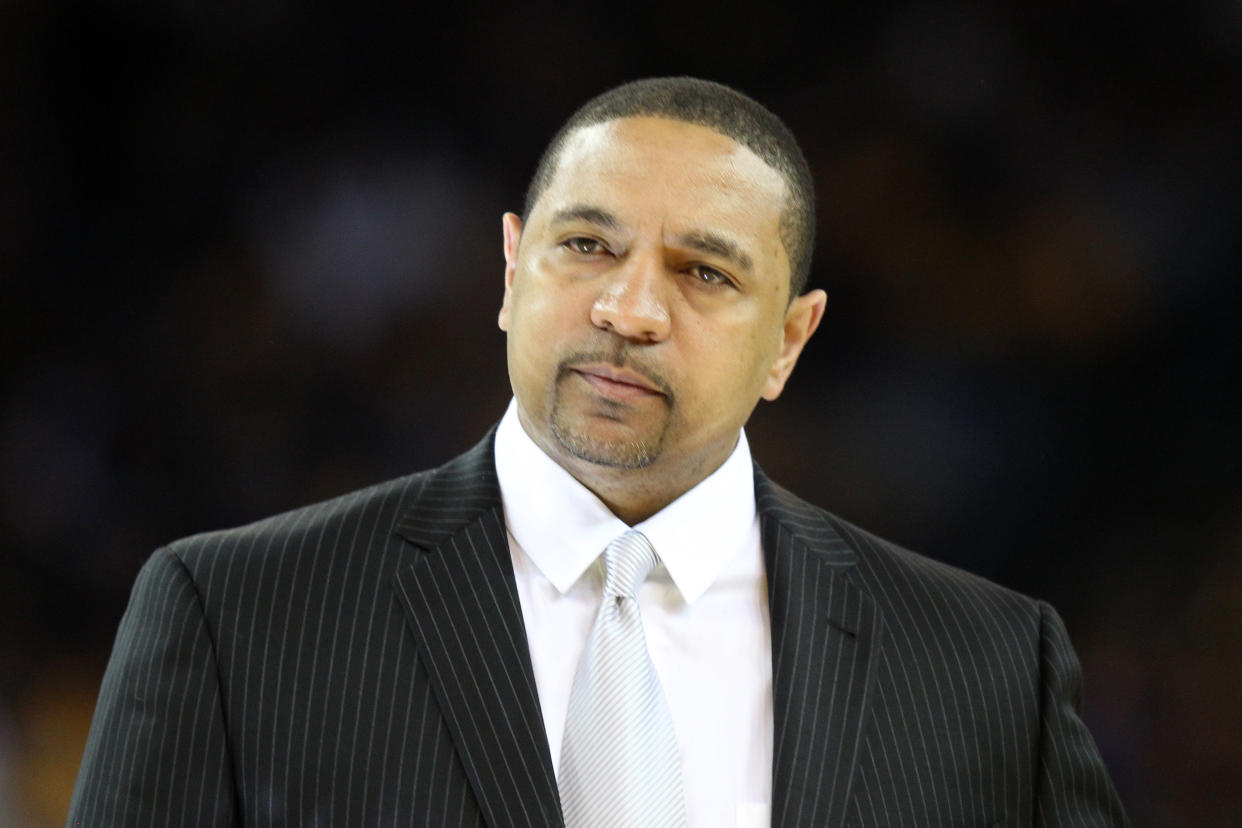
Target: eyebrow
703 241
716 245
588 213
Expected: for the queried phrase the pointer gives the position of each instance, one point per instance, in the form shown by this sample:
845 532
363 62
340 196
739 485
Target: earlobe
511 227
801 320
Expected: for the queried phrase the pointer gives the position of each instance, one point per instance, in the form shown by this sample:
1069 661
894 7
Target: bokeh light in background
250 258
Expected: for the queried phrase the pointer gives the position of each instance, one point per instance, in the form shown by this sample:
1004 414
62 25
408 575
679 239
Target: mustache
618 357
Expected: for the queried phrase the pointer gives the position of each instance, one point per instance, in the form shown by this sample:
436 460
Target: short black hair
720 108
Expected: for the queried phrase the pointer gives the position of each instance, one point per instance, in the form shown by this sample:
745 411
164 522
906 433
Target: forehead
676 171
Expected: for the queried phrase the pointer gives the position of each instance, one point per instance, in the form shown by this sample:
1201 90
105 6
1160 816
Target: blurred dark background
251 257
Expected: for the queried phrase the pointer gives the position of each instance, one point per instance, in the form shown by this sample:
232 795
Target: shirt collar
563 527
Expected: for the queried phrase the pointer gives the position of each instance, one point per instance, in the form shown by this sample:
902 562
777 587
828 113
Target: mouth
618 382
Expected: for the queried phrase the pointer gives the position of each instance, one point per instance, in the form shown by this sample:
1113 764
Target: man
435 650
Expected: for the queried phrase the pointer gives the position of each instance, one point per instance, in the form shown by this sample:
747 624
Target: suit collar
453 496
804 526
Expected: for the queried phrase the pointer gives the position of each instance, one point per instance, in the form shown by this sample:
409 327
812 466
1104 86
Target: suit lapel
824 637
461 599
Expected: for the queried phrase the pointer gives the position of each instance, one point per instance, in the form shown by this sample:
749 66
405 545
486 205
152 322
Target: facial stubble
576 438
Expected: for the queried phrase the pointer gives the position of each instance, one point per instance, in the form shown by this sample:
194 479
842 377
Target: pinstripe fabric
364 662
319 669
907 692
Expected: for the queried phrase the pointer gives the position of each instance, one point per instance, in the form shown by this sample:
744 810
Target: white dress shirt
704 611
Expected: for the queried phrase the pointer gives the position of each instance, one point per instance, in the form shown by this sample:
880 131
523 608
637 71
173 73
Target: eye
584 245
709 276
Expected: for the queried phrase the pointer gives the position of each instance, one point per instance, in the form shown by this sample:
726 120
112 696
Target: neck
631 500
634 495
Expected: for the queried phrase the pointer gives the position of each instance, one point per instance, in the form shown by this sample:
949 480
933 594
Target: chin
611 453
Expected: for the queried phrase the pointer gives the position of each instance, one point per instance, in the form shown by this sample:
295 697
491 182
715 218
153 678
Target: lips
618 382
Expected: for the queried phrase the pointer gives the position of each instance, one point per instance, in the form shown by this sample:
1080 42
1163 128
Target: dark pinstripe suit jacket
364 662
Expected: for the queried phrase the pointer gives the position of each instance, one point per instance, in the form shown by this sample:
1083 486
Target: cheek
753 356
545 294
531 307
542 328
725 369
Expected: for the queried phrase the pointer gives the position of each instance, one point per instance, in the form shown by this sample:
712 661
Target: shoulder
912 590
343 523
894 574
358 522
956 631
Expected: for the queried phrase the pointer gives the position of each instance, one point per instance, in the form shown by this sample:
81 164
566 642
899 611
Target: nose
631 302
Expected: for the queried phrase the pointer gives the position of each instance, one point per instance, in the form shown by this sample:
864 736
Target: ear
801 320
511 225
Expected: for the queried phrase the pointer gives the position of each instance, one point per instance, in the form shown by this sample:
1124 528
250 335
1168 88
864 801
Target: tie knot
627 560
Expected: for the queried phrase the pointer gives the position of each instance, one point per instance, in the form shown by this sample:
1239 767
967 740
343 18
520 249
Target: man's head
647 302
723 110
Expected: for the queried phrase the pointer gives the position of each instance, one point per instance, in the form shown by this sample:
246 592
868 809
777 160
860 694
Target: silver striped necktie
619 760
